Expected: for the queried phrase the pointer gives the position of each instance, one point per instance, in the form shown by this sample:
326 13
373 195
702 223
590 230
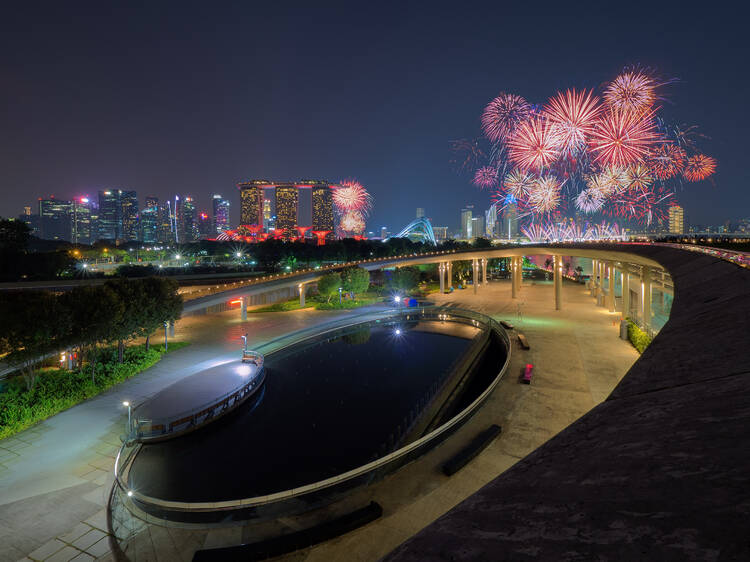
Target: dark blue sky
165 97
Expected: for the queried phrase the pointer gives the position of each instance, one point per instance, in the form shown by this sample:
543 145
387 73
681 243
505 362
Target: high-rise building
383 232
83 225
204 226
420 212
466 232
129 215
149 225
221 214
441 233
676 220
490 221
251 201
152 201
165 230
55 219
287 202
510 220
478 229
322 208
109 215
187 220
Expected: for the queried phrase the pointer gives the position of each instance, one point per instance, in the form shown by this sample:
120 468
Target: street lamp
340 289
127 405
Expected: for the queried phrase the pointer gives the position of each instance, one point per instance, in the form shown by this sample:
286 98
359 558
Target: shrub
638 337
58 390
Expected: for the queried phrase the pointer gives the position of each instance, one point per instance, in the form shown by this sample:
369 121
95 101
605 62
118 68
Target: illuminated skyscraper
129 215
82 222
55 219
676 220
187 221
165 229
510 220
466 231
204 226
251 201
149 225
221 214
287 200
420 212
322 207
109 215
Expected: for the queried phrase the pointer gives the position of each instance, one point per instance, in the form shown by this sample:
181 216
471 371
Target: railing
740 258
143 429
314 492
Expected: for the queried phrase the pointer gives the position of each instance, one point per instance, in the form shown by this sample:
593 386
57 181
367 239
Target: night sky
190 98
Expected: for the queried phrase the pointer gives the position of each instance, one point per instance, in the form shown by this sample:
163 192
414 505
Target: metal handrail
378 464
134 429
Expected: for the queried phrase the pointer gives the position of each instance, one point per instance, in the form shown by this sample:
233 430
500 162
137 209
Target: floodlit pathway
55 477
578 359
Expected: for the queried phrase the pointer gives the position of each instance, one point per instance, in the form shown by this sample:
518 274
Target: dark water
326 409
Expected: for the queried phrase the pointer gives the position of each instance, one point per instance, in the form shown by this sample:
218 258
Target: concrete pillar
557 280
514 276
475 273
646 297
243 308
625 291
302 291
592 280
171 328
611 268
449 282
441 274
484 271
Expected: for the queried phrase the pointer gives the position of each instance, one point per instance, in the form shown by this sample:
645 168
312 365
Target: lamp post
166 345
127 405
340 289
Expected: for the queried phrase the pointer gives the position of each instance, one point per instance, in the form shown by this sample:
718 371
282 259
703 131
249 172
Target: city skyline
152 140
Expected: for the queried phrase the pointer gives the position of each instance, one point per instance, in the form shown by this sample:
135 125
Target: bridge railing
321 491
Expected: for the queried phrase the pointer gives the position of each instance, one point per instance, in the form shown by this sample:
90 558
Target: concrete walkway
578 359
55 477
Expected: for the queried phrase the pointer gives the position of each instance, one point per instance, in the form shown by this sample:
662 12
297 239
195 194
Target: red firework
574 116
645 207
534 145
699 167
631 92
666 161
503 114
621 138
349 195
485 177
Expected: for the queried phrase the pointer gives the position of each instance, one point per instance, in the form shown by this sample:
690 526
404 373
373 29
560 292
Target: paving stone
47 550
93 536
99 520
75 533
64 555
99 548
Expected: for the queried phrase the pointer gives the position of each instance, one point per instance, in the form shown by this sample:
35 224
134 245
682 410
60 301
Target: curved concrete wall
658 471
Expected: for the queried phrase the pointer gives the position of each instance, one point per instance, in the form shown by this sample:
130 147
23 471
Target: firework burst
517 183
666 161
699 167
349 195
534 146
621 138
503 114
544 194
631 92
589 201
352 222
485 177
638 176
573 115
466 154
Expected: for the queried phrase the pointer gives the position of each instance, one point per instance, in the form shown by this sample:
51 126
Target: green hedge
58 390
638 337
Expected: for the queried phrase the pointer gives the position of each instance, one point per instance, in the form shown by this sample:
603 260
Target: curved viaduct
657 471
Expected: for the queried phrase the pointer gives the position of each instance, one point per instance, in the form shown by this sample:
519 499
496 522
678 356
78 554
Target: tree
548 263
160 303
566 267
405 279
33 325
355 280
92 312
129 323
329 285
14 236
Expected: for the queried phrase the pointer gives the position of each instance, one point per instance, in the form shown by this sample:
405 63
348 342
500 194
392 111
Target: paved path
55 476
578 359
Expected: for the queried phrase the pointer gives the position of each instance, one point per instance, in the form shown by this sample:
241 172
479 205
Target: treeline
35 324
